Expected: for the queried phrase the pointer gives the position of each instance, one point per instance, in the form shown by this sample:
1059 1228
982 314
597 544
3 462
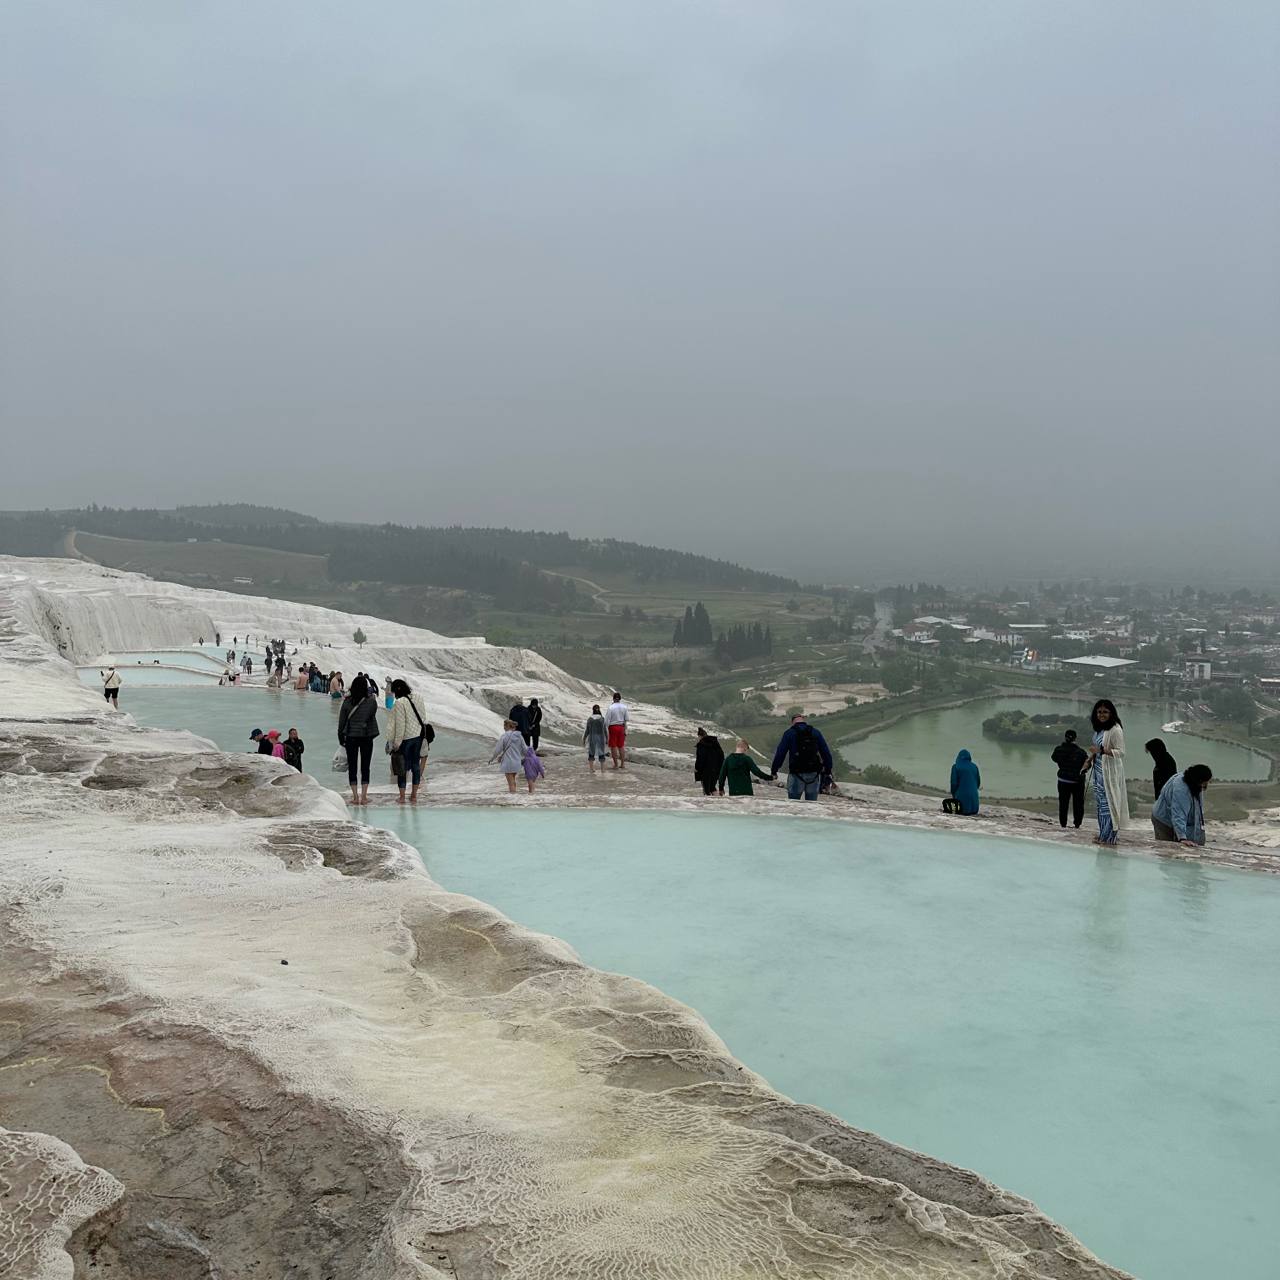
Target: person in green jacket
738 768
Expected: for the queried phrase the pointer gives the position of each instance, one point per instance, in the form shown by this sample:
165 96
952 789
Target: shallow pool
1099 1033
923 746
193 657
228 714
151 676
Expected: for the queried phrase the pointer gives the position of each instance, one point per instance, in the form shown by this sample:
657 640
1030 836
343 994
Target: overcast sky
852 290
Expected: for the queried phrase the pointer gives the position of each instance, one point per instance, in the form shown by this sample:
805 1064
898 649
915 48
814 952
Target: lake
923 746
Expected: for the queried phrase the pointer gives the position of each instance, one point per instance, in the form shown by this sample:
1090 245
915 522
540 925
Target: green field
205 562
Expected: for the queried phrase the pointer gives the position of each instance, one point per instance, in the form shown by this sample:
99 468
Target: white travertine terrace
242 1036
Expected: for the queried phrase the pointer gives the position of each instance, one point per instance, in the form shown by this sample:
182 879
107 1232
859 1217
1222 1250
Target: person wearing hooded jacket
966 781
708 756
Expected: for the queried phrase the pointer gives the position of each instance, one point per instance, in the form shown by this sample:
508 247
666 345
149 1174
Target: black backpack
805 756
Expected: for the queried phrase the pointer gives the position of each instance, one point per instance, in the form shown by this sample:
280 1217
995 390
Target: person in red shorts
616 720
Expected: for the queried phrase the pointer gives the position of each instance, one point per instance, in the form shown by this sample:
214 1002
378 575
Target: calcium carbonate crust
240 1035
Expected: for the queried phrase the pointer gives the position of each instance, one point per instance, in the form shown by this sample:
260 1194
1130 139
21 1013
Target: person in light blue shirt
1179 809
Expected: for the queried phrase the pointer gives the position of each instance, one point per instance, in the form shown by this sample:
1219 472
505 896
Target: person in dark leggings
357 728
534 724
1071 759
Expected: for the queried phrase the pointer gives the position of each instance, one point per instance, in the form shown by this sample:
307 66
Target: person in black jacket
708 756
533 724
519 716
1071 759
357 728
1164 766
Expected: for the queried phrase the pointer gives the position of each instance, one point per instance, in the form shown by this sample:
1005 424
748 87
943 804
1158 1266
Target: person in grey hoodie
357 728
596 738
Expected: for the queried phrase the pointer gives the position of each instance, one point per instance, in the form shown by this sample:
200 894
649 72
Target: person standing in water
1071 759
111 683
616 720
1106 757
533 726
1163 765
509 753
357 728
533 767
966 782
708 756
407 733
595 738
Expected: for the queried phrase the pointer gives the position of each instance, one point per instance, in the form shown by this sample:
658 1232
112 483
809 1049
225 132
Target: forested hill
504 563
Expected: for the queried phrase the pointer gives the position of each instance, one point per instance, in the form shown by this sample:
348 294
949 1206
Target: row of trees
744 641
694 628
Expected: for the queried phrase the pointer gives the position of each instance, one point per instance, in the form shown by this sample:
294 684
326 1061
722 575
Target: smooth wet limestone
1099 1033
923 746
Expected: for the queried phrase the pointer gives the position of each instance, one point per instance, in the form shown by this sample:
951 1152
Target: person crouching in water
1179 808
533 767
509 753
1071 758
966 782
737 770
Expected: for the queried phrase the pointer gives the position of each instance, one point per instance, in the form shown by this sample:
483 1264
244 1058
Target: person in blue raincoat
965 782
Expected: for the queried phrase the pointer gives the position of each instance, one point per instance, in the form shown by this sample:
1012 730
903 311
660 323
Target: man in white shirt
616 720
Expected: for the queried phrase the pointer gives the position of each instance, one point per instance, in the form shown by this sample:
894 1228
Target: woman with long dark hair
1163 765
1179 808
357 728
1106 763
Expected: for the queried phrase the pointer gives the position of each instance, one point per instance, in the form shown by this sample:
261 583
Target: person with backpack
408 737
808 757
1071 759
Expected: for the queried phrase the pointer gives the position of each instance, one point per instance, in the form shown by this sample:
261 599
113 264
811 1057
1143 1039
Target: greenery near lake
923 746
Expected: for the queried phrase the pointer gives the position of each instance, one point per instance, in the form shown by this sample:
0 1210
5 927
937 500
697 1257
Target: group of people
288 749
802 748
311 678
606 732
1178 812
408 738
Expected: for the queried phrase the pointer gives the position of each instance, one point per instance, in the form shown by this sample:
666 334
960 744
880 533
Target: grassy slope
213 561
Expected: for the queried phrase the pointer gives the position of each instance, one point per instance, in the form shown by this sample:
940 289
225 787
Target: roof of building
1100 660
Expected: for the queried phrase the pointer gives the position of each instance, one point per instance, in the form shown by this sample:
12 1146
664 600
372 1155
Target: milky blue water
228 714
152 676
1099 1033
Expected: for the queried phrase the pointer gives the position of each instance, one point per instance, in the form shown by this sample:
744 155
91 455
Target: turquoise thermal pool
1099 1033
226 715
922 747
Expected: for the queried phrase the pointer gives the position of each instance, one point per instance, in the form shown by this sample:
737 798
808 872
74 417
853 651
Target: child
533 768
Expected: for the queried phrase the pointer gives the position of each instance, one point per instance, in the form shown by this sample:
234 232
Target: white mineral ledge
240 1036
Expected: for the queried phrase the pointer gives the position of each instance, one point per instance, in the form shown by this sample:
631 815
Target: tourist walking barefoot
533 726
533 767
1106 757
595 736
616 719
111 683
407 733
509 753
357 728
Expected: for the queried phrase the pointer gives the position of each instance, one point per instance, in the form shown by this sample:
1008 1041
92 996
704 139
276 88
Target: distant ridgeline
1017 726
503 563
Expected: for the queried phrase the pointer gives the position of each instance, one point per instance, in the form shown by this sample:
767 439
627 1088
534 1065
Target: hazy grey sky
846 289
